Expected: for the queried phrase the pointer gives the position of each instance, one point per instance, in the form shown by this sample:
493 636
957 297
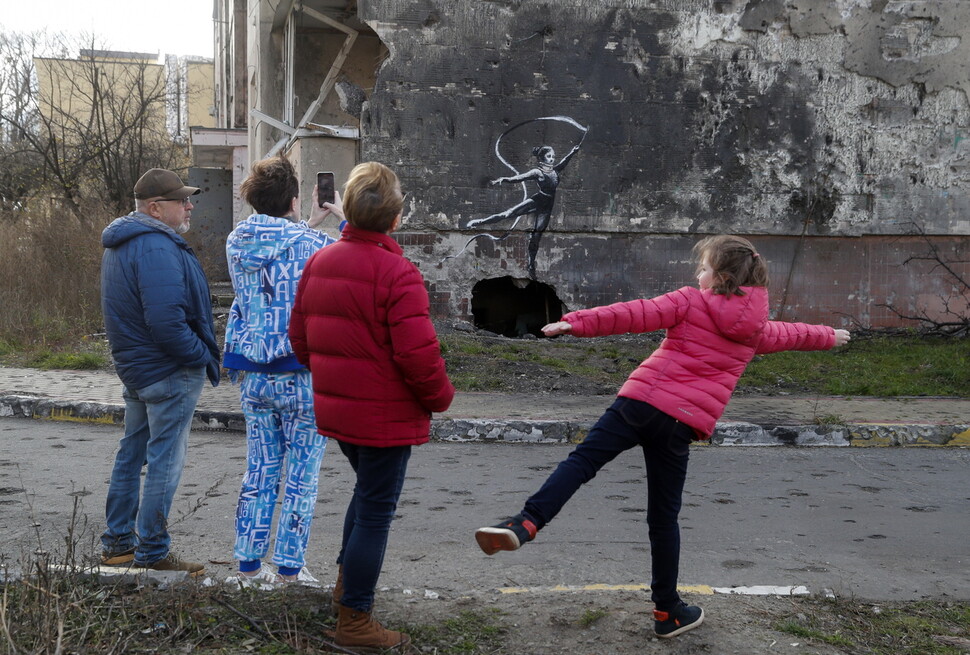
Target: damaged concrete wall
823 127
317 49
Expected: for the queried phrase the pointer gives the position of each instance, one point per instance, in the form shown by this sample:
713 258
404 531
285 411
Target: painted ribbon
515 171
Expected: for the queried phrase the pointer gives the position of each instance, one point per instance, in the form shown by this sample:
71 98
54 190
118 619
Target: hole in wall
514 307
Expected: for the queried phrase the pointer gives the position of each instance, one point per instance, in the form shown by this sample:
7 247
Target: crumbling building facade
830 132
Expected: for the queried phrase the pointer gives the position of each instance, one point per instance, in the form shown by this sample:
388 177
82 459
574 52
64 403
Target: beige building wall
201 93
70 89
180 93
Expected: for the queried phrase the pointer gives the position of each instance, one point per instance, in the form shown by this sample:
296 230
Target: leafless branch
953 319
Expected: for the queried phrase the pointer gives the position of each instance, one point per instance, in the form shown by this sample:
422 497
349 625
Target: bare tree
952 316
93 124
19 163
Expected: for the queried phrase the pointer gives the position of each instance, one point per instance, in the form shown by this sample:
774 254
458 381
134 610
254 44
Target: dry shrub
50 268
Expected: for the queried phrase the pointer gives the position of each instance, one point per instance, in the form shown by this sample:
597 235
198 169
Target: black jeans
666 444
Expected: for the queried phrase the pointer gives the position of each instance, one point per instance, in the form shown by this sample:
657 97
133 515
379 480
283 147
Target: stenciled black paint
545 175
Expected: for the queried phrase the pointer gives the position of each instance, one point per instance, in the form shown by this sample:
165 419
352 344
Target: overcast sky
173 27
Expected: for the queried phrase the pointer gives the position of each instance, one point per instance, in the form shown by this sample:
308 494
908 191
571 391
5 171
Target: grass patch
71 612
74 612
590 617
929 627
469 632
85 353
50 267
829 419
798 630
69 360
880 366
877 366
477 362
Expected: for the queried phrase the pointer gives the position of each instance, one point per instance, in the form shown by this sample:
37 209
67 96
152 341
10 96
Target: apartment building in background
176 91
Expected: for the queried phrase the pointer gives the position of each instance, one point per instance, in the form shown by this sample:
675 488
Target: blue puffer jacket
156 304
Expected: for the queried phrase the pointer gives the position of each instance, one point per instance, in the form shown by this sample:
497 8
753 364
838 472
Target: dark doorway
211 220
515 307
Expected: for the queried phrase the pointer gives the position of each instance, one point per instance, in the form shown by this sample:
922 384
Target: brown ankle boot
361 632
338 591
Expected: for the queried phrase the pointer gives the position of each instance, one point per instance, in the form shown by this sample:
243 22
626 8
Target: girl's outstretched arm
779 336
634 316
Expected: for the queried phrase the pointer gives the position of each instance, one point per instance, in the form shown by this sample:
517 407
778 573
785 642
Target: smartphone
325 188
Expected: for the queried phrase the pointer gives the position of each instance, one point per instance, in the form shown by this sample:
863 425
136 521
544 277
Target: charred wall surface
827 131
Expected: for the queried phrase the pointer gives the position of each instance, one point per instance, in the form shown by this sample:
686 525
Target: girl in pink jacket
675 396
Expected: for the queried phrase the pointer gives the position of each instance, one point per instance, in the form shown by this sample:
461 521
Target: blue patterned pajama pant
280 434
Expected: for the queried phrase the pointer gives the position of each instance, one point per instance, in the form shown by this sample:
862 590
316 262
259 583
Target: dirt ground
613 623
605 622
597 622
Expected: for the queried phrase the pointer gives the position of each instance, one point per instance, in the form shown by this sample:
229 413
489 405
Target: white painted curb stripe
763 590
706 590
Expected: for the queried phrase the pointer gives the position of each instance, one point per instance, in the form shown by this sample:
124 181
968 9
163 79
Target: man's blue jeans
380 477
157 422
666 444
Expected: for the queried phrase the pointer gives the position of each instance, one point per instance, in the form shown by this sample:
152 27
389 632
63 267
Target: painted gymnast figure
546 176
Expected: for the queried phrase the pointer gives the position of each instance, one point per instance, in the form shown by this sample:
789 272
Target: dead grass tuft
50 267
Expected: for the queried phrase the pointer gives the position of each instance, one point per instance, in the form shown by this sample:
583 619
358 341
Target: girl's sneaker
680 619
507 535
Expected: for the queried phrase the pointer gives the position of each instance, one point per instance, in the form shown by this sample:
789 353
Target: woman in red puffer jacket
361 324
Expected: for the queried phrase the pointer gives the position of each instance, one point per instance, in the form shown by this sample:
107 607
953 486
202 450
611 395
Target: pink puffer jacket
710 340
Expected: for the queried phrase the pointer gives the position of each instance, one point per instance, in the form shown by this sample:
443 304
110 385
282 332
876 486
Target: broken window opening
515 307
327 58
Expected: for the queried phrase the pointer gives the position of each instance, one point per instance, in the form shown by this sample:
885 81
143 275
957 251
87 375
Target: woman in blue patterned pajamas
267 253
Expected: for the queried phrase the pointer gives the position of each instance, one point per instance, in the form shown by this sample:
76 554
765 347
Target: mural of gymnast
546 176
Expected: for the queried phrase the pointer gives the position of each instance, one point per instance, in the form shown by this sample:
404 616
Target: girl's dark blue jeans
666 444
380 477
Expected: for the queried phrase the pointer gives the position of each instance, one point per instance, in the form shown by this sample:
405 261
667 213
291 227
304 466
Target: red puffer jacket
710 340
360 323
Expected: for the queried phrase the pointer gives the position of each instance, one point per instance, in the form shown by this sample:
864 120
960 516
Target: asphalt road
878 523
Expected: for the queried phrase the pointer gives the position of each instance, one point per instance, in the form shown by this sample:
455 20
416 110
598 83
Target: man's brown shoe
117 559
171 562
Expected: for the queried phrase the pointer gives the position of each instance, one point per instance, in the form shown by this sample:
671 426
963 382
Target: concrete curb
21 406
853 434
727 433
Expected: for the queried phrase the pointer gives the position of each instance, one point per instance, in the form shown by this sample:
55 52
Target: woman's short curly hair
734 262
271 186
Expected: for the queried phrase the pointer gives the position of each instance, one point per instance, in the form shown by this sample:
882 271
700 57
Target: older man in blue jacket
158 317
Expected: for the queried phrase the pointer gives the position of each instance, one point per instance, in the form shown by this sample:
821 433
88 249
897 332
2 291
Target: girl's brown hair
734 262
271 186
372 197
